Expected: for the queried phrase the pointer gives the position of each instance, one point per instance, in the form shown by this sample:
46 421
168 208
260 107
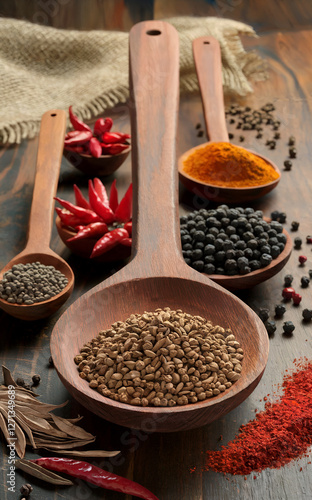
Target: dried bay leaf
70 429
20 443
86 453
41 473
7 377
25 427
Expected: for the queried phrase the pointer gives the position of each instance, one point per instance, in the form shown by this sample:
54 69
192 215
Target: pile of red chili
101 217
100 141
279 434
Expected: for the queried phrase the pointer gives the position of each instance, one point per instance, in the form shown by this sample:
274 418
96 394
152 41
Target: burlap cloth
43 68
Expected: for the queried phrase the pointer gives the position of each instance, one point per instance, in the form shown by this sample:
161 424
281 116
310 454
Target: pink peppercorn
287 293
296 299
302 259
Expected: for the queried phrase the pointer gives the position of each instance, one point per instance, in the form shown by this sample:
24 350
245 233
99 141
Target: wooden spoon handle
154 90
50 149
207 56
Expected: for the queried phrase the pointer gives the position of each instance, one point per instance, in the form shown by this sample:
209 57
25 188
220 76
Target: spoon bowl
91 166
51 138
207 57
157 275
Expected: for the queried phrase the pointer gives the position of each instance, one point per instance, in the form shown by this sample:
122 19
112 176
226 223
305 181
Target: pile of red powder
278 434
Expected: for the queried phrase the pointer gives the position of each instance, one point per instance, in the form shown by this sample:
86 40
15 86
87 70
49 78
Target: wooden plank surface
162 461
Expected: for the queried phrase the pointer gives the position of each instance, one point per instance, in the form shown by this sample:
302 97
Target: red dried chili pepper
113 137
102 125
114 149
80 199
277 435
127 242
75 149
72 133
83 137
101 190
85 216
108 241
124 209
95 475
95 147
98 206
76 123
67 218
90 231
113 196
128 227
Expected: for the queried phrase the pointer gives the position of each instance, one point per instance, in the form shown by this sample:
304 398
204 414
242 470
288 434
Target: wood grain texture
51 139
162 461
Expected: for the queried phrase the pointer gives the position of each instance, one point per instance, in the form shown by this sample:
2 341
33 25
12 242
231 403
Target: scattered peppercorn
298 242
296 299
51 361
305 281
241 138
288 279
309 239
36 379
231 136
200 133
292 152
264 314
280 310
272 144
310 273
302 259
270 326
307 314
288 327
20 382
287 293
287 164
295 225
277 135
259 136
26 489
291 141
198 125
278 216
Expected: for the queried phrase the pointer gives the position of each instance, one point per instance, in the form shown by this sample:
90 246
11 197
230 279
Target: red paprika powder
277 435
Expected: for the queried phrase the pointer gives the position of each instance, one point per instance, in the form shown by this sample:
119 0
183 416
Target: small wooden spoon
207 56
157 275
50 149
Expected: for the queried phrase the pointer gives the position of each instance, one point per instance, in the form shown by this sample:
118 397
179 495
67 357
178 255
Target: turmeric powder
223 164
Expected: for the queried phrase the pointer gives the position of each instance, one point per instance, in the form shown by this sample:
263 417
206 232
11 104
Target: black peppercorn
259 136
36 379
282 217
288 279
291 141
287 165
307 314
295 225
26 489
51 361
241 138
270 327
280 310
310 273
288 327
200 133
305 281
297 242
292 152
264 314
231 136
20 382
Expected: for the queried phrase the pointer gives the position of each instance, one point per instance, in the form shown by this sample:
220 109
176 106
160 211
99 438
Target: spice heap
226 165
161 358
230 241
279 434
101 218
100 142
35 424
31 283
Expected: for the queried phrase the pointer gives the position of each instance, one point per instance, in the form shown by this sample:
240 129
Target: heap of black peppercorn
230 241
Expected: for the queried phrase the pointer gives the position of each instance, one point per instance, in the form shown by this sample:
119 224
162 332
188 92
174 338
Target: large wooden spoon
207 57
157 276
50 150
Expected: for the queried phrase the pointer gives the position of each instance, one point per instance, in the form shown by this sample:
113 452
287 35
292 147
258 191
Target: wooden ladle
157 275
207 57
50 149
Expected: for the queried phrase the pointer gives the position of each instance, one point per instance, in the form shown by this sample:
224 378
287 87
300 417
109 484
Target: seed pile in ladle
161 358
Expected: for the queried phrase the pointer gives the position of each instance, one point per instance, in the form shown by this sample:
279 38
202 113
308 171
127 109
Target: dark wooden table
162 461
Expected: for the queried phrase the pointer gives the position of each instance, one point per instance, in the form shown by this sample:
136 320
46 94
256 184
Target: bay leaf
70 429
86 453
7 377
41 473
20 443
25 427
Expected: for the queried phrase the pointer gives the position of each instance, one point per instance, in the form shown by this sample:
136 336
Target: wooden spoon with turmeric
218 170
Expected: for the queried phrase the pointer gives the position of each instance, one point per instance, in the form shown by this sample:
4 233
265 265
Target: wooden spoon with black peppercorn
157 275
207 56
50 149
